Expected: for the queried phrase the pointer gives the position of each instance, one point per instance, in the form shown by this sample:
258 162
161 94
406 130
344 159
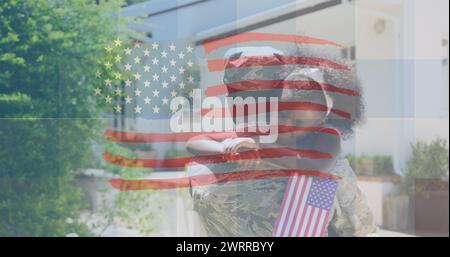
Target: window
349 53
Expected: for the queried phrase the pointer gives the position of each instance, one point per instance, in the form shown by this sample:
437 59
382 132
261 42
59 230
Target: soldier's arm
352 215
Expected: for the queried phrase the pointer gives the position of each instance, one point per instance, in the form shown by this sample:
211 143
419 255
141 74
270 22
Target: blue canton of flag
147 76
322 193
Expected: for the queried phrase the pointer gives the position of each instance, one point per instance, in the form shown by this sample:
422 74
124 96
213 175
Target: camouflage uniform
351 215
250 208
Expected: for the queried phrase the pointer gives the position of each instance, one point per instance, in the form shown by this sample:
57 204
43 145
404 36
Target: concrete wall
374 191
400 67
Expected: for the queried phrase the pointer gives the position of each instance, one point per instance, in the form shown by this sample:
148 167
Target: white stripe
321 221
313 222
302 205
305 221
294 206
288 200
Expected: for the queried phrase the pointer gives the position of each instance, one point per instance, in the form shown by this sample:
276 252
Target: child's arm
203 144
227 143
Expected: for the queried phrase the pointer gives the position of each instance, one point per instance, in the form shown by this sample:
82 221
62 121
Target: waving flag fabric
152 74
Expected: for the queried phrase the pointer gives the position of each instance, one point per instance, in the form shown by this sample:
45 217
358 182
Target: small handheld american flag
305 211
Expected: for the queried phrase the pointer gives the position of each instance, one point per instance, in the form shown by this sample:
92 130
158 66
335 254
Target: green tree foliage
49 53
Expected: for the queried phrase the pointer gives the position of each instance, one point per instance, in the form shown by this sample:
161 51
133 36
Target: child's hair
298 95
344 79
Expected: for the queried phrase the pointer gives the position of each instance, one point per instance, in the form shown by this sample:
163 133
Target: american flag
154 73
305 210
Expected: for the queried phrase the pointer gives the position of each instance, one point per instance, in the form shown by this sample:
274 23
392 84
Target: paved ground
387 233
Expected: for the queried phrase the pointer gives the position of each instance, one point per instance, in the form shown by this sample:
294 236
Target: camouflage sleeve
351 214
237 208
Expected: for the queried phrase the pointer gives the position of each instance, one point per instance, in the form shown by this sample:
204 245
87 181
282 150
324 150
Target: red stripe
317 222
276 152
251 61
212 44
294 193
325 224
296 215
302 223
208 179
256 85
283 205
311 215
136 137
282 106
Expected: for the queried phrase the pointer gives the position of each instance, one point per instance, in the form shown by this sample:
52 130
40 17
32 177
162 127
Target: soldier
250 208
